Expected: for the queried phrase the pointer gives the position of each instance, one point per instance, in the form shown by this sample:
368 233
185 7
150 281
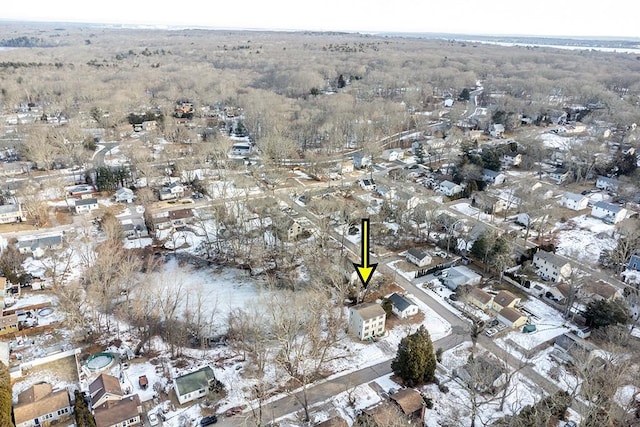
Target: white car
153 419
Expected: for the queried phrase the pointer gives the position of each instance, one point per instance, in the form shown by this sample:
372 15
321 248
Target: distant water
566 47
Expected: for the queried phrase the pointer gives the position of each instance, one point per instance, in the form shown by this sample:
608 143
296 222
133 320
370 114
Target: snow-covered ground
469 210
584 238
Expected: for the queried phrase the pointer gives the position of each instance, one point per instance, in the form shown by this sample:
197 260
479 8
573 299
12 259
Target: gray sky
610 18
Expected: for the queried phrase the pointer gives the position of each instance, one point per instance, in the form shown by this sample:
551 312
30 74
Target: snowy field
467 209
584 238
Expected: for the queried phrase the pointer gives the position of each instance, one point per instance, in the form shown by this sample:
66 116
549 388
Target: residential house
105 388
488 203
418 257
609 213
504 299
460 276
599 291
119 413
8 324
512 159
573 201
492 177
346 167
194 385
571 348
402 307
559 175
449 188
367 320
496 130
411 403
124 195
634 262
39 405
607 184
134 227
550 266
241 149
393 154
180 217
360 161
481 374
295 230
11 213
512 317
83 191
481 299
37 245
367 184
84 206
175 190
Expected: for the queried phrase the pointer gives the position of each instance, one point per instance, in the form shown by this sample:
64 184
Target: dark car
207 421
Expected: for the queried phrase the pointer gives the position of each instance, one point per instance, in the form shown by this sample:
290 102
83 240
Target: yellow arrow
365 270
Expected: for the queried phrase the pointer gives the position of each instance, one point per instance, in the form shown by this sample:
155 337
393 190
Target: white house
512 159
367 184
492 177
11 213
549 266
86 205
402 307
367 320
496 130
418 257
449 188
460 276
607 184
559 175
512 317
608 212
40 405
573 201
124 195
393 154
361 161
172 191
194 385
37 245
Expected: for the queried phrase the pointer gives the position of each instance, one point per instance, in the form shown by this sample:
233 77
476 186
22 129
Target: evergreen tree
604 313
415 361
5 396
464 94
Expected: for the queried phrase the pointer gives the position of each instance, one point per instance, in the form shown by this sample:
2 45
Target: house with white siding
609 213
573 201
367 320
550 266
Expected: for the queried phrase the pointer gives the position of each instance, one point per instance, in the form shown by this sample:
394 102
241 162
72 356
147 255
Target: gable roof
511 314
40 242
369 310
400 302
504 298
574 196
448 185
83 202
39 400
6 209
408 399
104 384
607 206
193 381
481 295
417 253
114 412
180 213
551 258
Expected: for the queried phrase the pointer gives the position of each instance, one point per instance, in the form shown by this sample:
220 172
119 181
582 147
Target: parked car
207 421
153 419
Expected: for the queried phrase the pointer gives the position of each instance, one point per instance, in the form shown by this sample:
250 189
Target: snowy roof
551 258
40 242
490 173
400 302
448 184
574 196
608 180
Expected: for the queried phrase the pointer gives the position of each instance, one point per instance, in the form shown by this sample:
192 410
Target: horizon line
177 27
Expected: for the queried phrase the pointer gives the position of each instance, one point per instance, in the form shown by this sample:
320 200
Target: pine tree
5 396
415 361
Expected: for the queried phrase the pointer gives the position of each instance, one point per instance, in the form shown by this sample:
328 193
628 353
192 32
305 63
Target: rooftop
193 381
369 310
